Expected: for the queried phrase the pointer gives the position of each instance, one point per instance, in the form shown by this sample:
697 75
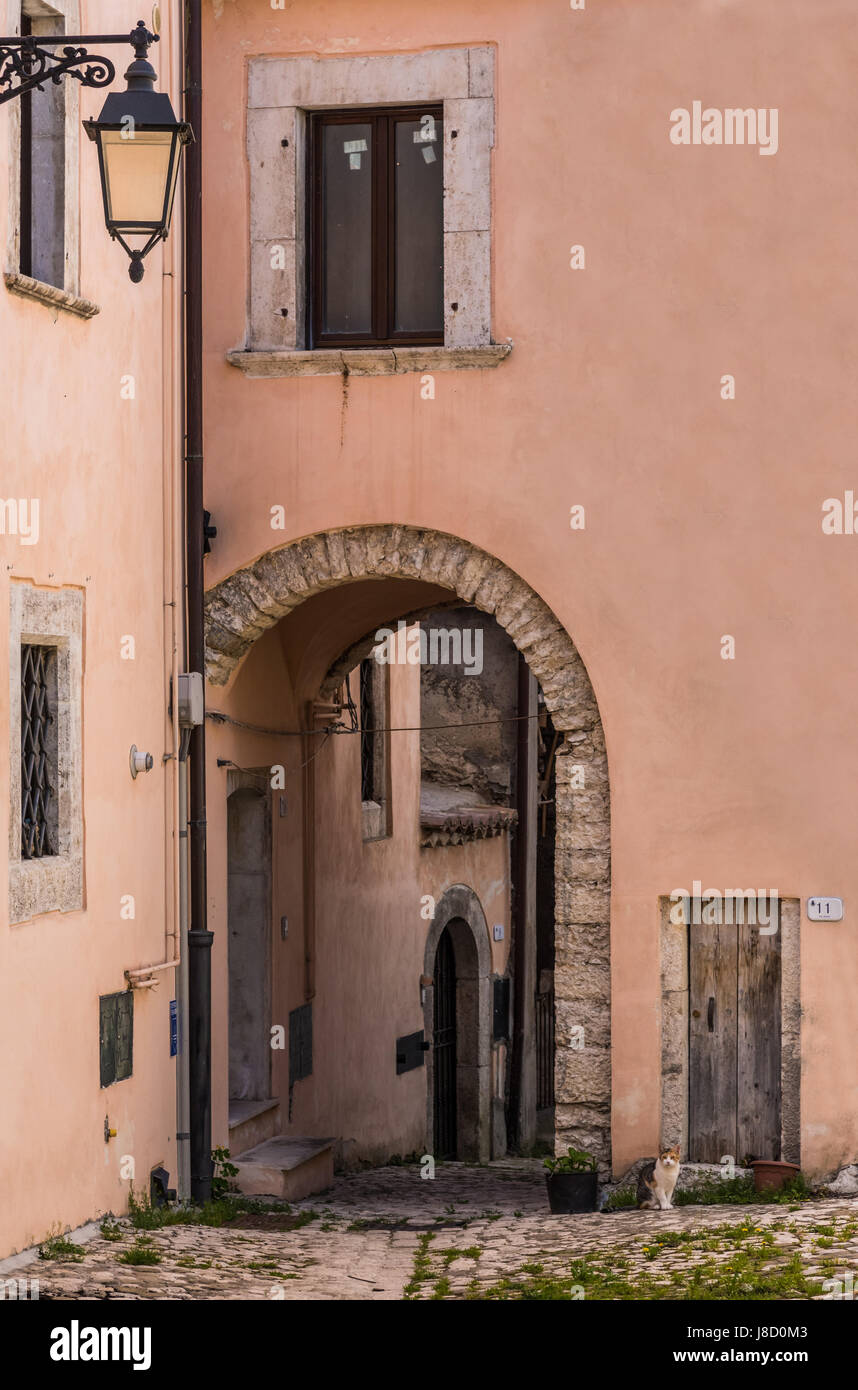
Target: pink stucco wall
103 468
703 518
702 515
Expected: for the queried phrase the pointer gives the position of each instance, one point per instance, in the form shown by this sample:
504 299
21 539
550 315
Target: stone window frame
675 1046
281 92
54 883
67 298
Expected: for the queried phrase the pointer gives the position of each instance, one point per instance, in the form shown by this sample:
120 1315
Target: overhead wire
329 729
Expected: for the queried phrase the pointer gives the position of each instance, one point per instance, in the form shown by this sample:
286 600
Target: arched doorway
247 603
458 1026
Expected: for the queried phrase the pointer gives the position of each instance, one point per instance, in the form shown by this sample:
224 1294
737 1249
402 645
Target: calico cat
657 1180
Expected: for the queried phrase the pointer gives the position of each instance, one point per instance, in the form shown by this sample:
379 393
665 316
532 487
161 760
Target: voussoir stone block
337 562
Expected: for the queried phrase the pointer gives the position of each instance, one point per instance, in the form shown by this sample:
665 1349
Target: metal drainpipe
183 1122
199 937
180 647
519 873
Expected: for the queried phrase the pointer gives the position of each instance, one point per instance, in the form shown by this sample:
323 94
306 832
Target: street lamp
138 137
139 148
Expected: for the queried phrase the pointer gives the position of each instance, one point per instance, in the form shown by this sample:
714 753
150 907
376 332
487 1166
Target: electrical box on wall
409 1052
116 1036
190 699
497 933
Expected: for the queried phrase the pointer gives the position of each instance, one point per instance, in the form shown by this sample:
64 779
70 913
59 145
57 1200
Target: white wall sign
825 909
497 933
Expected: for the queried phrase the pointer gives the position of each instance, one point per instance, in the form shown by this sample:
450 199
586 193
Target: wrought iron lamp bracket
29 60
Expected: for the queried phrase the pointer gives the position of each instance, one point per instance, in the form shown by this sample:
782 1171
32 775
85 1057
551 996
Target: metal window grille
545 1050
36 790
367 739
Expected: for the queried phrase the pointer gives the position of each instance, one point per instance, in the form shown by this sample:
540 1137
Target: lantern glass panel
136 170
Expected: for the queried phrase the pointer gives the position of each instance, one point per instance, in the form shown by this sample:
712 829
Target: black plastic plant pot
571 1192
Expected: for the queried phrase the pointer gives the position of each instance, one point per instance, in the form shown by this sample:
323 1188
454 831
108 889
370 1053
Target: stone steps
251 1122
286 1167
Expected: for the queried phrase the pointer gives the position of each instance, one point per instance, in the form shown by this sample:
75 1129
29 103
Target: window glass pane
43 159
347 227
419 233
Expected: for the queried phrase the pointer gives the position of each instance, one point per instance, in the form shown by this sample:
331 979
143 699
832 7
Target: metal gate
545 1050
444 1048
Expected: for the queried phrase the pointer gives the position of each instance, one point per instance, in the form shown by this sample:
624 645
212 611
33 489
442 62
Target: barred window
374 697
300 1043
368 736
37 774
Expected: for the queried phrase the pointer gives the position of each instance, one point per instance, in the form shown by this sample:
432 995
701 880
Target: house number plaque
825 909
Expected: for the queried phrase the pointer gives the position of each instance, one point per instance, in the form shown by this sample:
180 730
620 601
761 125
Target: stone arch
244 605
460 912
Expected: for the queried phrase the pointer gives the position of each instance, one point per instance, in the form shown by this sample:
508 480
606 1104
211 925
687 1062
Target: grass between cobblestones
759 1256
744 1263
221 1211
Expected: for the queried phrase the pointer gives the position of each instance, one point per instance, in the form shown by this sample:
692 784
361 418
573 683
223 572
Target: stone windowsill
52 296
367 361
374 821
40 886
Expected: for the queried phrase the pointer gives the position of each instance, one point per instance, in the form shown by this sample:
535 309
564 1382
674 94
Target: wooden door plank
712 1098
759 1056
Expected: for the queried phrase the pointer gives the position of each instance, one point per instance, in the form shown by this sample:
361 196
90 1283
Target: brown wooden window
377 227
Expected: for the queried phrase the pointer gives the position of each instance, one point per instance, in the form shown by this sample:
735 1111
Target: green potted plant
572 1182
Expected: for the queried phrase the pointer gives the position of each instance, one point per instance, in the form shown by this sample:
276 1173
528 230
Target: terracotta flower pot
770 1172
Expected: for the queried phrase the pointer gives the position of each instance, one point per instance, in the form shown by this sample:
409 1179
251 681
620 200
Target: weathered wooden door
734 1043
249 924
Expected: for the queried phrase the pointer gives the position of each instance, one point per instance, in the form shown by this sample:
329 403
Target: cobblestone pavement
388 1234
